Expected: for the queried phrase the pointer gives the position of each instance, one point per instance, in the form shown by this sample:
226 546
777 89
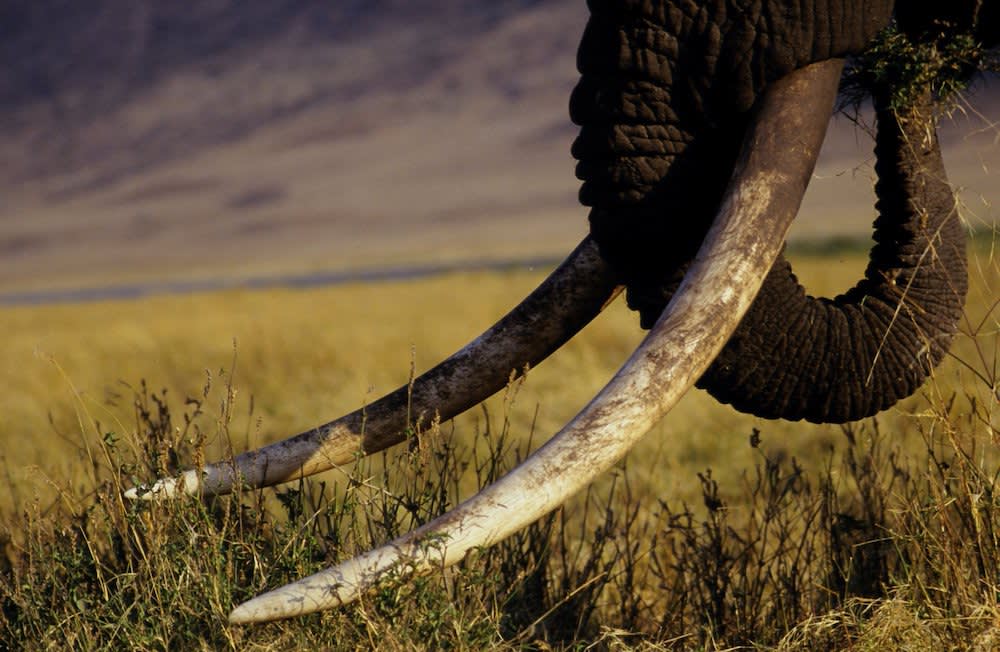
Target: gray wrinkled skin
663 100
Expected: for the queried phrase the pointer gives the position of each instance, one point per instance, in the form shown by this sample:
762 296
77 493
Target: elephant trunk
799 357
665 91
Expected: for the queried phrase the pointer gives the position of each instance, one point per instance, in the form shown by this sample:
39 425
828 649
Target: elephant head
700 123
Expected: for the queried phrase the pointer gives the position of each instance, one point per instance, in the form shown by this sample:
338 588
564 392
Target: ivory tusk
565 302
775 165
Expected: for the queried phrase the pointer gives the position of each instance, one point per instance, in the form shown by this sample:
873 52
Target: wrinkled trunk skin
663 101
798 357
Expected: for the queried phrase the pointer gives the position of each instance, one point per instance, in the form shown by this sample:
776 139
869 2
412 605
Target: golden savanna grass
84 387
304 357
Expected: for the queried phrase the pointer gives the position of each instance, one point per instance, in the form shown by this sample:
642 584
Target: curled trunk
663 100
834 360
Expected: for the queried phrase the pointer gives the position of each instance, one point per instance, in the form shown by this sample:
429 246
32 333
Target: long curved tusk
761 201
565 302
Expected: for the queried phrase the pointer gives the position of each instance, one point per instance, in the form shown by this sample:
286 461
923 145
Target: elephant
700 124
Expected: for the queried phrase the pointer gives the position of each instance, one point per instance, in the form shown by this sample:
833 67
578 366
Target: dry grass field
79 422
297 358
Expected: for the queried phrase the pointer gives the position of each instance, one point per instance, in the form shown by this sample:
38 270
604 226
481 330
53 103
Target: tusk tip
159 489
137 493
185 484
323 590
246 614
276 605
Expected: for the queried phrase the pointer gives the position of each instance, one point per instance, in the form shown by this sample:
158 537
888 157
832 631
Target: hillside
142 139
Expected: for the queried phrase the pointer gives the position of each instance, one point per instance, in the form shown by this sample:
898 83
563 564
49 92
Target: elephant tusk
565 302
771 176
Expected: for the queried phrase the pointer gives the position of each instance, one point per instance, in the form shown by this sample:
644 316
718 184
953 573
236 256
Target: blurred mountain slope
142 138
228 68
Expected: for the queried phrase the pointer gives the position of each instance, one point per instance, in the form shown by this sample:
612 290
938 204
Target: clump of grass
941 60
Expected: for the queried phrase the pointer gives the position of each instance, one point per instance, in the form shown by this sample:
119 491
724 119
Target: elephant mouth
763 197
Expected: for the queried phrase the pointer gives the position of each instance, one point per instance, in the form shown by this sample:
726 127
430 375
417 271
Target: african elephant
700 123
